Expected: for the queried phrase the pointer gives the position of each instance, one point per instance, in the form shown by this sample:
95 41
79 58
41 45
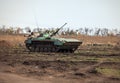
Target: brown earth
17 65
28 67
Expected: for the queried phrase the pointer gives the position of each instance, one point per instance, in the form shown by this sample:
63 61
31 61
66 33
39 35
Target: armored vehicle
48 43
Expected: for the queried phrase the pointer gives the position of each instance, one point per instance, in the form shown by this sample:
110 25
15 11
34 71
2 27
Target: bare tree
104 32
86 30
97 31
27 29
90 31
71 32
116 31
19 30
3 29
80 30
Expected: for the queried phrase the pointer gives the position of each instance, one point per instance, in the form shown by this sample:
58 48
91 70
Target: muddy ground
86 65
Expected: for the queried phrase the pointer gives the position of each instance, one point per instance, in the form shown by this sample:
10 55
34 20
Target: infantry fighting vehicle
46 42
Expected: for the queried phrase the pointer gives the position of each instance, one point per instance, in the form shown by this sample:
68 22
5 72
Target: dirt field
89 64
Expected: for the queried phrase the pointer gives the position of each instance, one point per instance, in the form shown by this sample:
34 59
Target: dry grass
12 39
19 39
113 40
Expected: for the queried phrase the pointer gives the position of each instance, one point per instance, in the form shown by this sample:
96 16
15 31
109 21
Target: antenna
36 22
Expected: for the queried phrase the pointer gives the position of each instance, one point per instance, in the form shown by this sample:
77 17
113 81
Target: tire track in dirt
89 68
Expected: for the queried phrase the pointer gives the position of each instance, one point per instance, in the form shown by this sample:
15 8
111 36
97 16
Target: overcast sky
54 13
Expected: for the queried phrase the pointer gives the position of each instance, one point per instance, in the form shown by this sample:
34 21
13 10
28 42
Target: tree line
64 31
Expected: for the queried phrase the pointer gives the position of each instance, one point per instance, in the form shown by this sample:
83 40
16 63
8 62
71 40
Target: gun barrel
57 30
63 25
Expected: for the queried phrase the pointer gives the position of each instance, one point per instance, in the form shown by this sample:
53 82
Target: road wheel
49 49
37 49
41 49
32 49
53 49
45 49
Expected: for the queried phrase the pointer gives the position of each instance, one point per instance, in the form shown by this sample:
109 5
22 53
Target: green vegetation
89 58
109 72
